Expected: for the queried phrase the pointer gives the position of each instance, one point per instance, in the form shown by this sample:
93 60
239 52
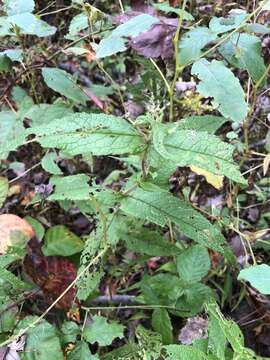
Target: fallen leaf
14 231
214 180
53 274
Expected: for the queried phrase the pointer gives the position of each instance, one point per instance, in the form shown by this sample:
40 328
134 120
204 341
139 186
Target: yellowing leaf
214 180
3 190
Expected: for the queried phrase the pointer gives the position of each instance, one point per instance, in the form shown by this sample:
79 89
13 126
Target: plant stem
178 68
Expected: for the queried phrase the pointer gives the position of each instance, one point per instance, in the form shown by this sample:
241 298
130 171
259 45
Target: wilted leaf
14 231
214 180
102 332
59 240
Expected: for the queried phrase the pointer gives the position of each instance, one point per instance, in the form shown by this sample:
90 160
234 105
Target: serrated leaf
13 7
208 123
42 342
192 43
69 332
214 180
59 240
73 187
245 52
3 189
30 24
160 207
98 134
258 276
63 83
197 148
193 264
161 323
49 165
218 82
102 332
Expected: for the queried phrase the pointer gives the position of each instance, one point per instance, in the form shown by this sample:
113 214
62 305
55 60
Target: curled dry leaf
14 231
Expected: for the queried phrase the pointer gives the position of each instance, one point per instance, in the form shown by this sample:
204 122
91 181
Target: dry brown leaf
13 231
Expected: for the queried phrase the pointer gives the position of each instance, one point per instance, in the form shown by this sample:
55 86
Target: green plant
141 214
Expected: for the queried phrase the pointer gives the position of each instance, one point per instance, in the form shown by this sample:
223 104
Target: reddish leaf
53 274
157 41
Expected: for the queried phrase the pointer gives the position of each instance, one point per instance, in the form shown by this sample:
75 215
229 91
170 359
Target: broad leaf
13 54
258 276
59 240
42 342
102 332
221 25
45 113
245 52
190 147
193 264
161 323
218 82
165 7
49 165
209 123
31 25
192 43
13 7
184 352
63 83
83 133
69 332
161 207
73 187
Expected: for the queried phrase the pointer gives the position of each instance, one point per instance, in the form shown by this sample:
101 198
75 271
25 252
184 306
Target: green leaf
37 227
218 82
83 133
266 5
78 23
193 264
161 323
73 187
13 7
69 332
63 83
81 352
49 165
11 133
110 46
145 241
13 54
102 332
5 63
192 43
3 190
184 352
258 276
160 207
165 7
221 25
190 147
31 25
245 52
42 342
45 113
208 123
59 240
